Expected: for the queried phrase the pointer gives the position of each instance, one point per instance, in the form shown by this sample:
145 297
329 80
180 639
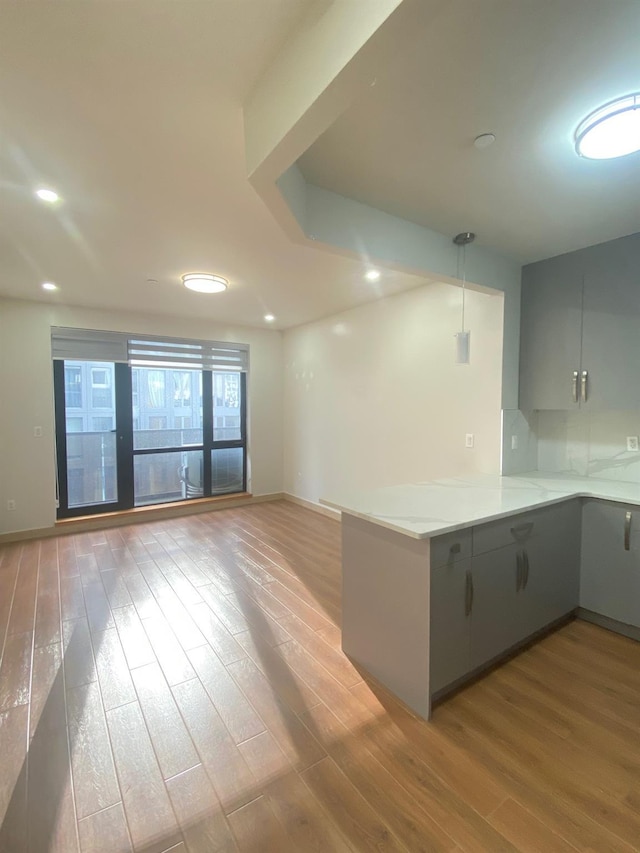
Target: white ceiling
528 71
133 112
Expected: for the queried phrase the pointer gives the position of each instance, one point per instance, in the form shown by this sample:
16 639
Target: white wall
27 471
373 396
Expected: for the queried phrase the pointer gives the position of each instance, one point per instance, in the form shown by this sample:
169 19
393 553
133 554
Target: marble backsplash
592 444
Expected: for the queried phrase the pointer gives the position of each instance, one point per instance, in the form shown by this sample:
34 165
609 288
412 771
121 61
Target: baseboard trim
139 515
630 631
312 505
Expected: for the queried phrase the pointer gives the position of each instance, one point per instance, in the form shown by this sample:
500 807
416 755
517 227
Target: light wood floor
179 685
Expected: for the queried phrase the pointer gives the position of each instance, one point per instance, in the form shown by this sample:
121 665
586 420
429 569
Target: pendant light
463 337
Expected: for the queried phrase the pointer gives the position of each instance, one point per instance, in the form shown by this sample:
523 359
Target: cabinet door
550 333
610 574
493 612
610 343
551 569
450 604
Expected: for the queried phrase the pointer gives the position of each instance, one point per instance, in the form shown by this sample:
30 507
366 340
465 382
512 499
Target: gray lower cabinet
450 623
550 576
493 618
524 574
610 574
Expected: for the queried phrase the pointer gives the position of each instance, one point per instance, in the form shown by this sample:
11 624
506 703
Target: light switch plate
468 441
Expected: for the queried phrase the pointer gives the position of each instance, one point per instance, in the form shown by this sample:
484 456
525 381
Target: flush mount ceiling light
484 140
372 275
204 282
49 285
611 131
269 318
49 196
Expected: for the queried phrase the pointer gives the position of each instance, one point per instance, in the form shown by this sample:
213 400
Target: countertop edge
478 518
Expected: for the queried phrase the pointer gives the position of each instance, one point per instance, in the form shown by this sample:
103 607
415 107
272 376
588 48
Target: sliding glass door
138 435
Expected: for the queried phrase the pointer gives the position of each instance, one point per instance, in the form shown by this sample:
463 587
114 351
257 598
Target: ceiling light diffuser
372 275
611 131
49 285
269 318
47 195
205 282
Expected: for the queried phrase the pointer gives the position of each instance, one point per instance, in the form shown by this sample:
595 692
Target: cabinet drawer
507 531
550 522
450 547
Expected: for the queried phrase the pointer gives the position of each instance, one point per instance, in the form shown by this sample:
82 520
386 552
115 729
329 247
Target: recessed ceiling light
205 282
372 275
49 285
611 131
269 318
47 195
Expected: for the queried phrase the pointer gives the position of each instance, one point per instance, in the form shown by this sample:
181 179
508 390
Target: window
73 387
155 389
102 424
100 377
163 420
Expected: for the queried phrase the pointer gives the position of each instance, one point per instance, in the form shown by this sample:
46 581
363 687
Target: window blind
202 355
88 344
92 345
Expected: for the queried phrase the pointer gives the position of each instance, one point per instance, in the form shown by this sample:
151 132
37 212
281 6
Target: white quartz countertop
422 510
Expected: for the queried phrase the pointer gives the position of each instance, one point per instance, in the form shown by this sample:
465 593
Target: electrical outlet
514 442
632 442
37 432
11 505
468 441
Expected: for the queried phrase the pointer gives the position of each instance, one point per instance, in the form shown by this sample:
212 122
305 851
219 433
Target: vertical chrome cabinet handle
574 386
584 385
627 532
518 570
471 602
467 594
525 562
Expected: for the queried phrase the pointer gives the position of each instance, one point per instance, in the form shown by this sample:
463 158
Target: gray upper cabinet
611 325
610 574
550 334
579 329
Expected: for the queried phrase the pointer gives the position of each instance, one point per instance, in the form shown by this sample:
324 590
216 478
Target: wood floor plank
105 832
111 666
150 817
256 820
348 809
15 671
219 638
98 609
237 713
167 649
48 704
94 775
302 816
232 780
202 821
79 663
290 733
525 831
402 811
135 644
48 625
171 741
14 724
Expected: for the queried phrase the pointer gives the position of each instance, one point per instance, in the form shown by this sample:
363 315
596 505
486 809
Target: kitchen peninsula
441 579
